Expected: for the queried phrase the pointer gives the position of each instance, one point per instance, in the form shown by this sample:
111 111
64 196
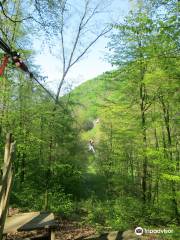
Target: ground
72 230
67 230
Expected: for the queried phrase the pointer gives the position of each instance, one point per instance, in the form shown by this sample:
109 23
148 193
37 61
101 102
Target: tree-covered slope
135 142
89 96
89 102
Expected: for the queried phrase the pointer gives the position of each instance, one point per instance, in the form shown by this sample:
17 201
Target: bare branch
9 18
104 32
87 17
73 49
80 27
62 37
95 11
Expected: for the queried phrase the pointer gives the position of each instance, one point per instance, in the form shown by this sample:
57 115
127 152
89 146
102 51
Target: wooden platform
30 221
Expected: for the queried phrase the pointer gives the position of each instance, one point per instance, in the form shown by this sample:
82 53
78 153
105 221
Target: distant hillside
89 101
91 95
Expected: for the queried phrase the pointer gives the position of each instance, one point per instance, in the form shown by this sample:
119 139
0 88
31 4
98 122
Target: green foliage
137 140
116 214
60 203
133 177
88 125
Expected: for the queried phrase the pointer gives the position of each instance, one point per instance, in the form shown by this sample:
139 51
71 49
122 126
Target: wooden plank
29 222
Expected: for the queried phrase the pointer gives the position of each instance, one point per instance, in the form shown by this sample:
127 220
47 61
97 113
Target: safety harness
4 64
7 50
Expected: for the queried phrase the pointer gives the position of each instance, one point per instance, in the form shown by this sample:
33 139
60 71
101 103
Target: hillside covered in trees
107 153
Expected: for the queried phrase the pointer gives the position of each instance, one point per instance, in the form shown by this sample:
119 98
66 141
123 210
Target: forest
106 153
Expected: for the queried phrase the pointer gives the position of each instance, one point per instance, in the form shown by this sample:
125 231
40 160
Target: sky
90 66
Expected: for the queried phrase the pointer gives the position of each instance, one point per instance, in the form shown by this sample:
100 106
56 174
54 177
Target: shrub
88 125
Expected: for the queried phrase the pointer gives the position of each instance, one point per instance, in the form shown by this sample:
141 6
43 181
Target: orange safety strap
4 64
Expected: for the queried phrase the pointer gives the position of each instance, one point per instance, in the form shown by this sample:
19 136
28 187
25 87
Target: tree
139 47
72 28
28 112
78 21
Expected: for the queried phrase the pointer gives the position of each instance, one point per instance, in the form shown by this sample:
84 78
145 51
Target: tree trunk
143 125
166 115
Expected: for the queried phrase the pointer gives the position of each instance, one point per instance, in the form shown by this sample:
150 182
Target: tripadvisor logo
139 231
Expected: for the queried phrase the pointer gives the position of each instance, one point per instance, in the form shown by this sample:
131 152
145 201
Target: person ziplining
18 63
15 56
16 59
91 146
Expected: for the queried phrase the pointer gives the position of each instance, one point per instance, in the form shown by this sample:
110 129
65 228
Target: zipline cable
19 63
5 47
45 89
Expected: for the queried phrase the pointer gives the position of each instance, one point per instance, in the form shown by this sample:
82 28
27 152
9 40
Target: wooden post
52 236
7 147
6 157
6 183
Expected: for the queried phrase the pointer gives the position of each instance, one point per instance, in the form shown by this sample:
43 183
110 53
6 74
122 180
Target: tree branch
9 18
83 22
95 11
104 32
73 50
62 37
80 27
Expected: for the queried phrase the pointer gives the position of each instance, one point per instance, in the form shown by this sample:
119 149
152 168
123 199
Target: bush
88 125
115 214
60 203
31 200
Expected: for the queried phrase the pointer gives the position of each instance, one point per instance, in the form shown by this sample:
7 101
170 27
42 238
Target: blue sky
90 66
